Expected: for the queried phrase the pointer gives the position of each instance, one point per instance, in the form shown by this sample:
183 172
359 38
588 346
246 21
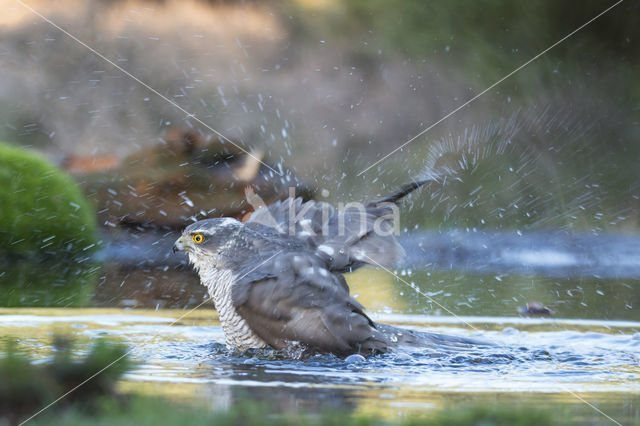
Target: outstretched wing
346 238
294 217
293 299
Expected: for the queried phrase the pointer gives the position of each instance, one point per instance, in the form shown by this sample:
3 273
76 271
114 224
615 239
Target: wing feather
295 299
347 238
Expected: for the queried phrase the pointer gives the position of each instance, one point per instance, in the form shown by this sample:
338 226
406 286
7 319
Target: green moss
42 210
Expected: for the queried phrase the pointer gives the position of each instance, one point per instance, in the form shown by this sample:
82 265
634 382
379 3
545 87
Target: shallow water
587 352
544 362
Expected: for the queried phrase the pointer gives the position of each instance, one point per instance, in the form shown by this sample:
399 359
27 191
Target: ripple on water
544 360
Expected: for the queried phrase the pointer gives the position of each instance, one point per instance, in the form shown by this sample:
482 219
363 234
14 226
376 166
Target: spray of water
512 172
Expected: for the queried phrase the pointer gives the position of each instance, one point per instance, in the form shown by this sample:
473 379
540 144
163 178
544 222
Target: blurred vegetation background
328 87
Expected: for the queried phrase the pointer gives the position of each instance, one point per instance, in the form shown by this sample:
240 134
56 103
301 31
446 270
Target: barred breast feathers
237 332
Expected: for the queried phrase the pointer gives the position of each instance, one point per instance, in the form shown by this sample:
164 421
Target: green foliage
22 387
26 388
42 210
483 40
155 411
107 361
489 416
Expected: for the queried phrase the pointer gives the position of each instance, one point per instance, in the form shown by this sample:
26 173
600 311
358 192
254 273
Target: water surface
461 283
544 362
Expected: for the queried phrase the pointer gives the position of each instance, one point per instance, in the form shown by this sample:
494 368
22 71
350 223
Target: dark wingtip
403 192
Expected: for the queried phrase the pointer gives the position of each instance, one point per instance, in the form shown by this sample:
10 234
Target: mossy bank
42 210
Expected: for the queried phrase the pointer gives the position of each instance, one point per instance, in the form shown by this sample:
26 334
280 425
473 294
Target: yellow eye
197 238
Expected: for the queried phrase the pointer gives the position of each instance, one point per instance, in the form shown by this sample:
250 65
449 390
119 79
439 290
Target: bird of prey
277 280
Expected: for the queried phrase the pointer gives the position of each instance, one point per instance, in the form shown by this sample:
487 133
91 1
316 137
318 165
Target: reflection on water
157 287
60 284
537 356
577 276
590 346
498 294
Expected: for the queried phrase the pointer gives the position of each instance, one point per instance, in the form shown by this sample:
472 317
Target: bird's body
277 279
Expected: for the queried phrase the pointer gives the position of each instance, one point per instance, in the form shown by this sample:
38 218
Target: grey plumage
277 280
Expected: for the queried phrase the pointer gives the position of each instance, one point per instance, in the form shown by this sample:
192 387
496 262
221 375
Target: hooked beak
178 245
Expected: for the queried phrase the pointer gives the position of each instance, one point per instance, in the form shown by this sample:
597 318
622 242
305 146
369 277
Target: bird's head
205 240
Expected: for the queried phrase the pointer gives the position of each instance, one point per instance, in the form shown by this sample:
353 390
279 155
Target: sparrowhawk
277 280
